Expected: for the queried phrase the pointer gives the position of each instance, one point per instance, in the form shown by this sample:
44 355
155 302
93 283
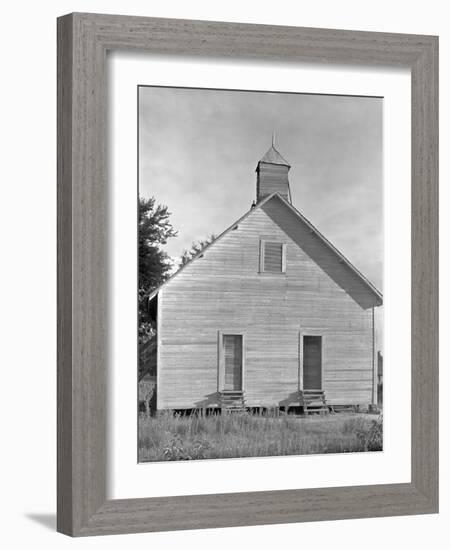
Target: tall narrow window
272 257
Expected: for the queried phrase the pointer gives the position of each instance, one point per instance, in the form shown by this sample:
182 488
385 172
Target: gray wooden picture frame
83 41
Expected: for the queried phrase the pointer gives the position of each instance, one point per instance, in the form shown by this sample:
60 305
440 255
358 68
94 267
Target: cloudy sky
198 151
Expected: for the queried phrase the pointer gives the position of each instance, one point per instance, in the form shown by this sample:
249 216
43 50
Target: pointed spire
272 156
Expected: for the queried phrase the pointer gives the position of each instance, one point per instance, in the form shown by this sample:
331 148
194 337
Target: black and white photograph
260 323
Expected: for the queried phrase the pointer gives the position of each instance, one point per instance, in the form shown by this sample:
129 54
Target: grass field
169 436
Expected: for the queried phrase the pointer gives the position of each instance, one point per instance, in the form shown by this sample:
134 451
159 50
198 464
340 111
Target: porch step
313 401
232 400
343 408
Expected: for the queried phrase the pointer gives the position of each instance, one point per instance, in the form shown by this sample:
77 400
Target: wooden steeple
272 175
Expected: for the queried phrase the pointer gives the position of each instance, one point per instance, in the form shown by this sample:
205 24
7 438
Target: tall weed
169 436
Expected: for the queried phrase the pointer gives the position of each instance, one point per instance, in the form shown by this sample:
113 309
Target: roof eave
203 250
288 166
344 260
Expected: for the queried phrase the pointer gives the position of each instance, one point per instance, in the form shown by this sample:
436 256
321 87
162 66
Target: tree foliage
155 264
195 249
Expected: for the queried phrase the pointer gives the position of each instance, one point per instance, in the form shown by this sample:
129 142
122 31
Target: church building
270 314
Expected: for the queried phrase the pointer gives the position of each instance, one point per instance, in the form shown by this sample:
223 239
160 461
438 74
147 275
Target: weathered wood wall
272 178
224 291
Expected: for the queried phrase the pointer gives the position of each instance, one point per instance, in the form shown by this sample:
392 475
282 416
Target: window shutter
273 257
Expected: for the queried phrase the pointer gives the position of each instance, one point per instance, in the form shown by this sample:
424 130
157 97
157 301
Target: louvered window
273 257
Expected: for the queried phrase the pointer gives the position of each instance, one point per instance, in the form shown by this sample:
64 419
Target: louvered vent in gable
273 257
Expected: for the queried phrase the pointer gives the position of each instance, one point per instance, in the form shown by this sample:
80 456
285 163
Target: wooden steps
344 408
232 401
313 401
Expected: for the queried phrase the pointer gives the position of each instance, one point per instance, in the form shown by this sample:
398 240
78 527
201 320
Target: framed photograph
247 274
244 305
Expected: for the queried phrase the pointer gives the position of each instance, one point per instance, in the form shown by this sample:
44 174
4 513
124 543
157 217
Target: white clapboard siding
225 292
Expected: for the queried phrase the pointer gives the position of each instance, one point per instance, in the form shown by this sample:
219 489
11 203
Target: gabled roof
340 257
272 156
